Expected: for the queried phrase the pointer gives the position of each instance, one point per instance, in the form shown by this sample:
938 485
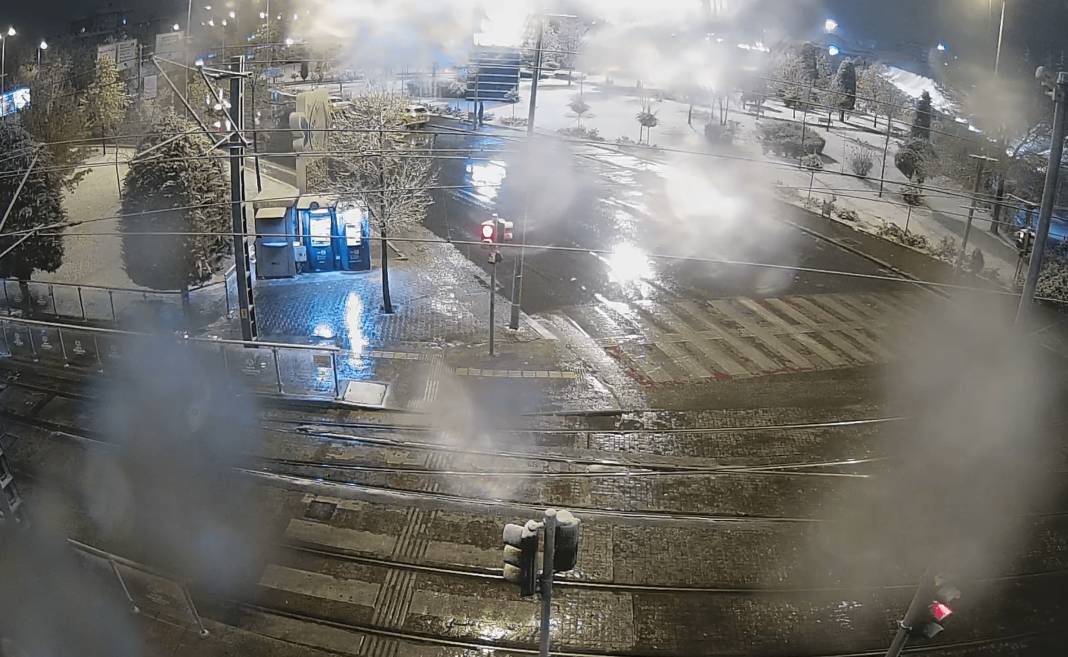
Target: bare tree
376 165
579 107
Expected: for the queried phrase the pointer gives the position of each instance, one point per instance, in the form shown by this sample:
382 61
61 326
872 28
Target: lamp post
3 57
40 48
1001 34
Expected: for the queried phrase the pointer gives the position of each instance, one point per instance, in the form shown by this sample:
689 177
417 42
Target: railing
260 367
97 303
141 582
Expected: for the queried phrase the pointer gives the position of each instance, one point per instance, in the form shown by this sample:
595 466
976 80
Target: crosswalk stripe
871 345
893 309
814 346
820 315
917 302
738 344
869 312
641 361
833 308
631 326
684 360
721 361
764 336
844 347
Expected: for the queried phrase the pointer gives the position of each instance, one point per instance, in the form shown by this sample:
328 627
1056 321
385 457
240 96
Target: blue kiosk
327 239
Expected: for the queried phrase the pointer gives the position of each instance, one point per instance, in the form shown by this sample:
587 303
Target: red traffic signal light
940 611
489 232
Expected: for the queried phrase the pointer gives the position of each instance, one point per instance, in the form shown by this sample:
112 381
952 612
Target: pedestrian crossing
685 340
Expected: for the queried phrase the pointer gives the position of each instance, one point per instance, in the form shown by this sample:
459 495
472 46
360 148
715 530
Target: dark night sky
964 24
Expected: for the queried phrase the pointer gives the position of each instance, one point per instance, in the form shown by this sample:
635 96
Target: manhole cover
320 511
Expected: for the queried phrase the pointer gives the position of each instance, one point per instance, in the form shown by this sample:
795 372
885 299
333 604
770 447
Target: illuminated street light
176 27
289 41
3 58
40 48
233 14
833 51
941 47
199 63
830 25
11 31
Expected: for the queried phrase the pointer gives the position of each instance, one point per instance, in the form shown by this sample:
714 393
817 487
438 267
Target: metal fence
96 303
143 587
258 367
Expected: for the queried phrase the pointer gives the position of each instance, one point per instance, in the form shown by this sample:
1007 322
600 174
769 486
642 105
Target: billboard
14 100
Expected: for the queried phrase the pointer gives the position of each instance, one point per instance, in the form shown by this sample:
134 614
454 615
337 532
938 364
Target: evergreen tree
105 101
175 189
54 118
39 204
304 70
845 85
921 124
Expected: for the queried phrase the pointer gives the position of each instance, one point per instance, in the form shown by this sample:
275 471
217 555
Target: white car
416 116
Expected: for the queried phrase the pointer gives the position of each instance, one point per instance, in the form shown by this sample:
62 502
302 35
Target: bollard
277 370
81 304
194 613
337 383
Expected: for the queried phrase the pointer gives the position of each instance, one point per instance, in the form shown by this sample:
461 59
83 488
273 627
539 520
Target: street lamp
830 25
176 27
1001 34
3 58
41 47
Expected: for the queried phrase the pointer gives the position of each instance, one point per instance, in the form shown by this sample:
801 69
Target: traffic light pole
493 297
547 581
243 266
905 626
1049 197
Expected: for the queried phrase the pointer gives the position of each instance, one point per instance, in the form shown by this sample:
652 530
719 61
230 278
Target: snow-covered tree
105 100
647 120
845 87
579 107
376 168
54 118
878 95
174 189
921 122
40 203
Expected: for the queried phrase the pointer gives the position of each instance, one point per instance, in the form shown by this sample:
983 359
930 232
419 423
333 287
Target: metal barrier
141 578
97 303
262 367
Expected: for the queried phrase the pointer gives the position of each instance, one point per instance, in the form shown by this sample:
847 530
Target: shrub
582 133
946 250
625 141
719 134
783 138
514 120
812 162
896 233
916 159
1053 281
912 194
861 161
845 214
976 262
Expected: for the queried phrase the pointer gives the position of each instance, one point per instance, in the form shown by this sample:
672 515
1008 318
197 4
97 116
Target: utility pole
494 257
517 271
1001 34
981 162
246 307
10 500
1058 89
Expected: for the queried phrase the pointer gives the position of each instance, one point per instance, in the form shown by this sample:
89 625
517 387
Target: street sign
272 72
126 55
14 100
108 51
170 44
151 88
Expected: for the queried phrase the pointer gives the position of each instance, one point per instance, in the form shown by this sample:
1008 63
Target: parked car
416 116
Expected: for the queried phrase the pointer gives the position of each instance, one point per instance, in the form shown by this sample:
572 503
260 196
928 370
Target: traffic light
566 544
930 622
520 556
488 232
504 230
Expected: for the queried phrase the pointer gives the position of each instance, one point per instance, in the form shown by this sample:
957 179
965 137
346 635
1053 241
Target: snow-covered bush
785 139
861 160
812 162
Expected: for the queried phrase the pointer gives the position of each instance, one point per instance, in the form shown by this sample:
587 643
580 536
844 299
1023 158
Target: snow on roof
914 85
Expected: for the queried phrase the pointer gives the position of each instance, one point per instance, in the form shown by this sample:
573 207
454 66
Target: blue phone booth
355 221
322 235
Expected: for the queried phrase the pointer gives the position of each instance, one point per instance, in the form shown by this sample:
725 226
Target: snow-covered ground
613 110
